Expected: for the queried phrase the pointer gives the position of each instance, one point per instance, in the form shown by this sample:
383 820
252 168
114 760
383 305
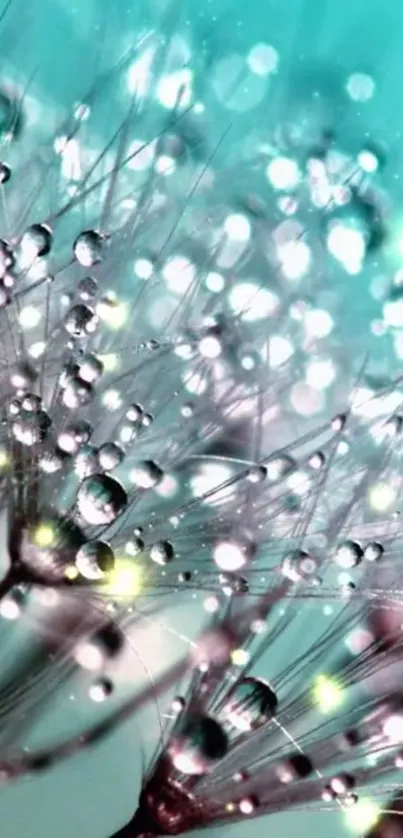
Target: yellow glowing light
110 362
230 807
381 497
327 693
113 313
124 580
363 816
71 572
44 536
239 657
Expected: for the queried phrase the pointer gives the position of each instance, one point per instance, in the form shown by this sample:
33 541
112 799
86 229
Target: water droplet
91 368
95 559
162 552
100 690
110 455
87 288
36 241
348 554
101 499
5 172
89 248
251 703
146 475
80 321
198 745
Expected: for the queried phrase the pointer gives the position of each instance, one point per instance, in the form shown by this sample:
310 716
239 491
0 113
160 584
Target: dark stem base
8 582
139 825
165 808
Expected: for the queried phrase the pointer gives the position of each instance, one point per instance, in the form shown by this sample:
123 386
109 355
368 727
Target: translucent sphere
317 461
23 376
81 429
341 784
80 321
89 248
11 113
86 461
101 499
162 552
134 546
362 216
91 368
187 410
95 559
8 280
296 767
348 554
74 436
48 547
105 645
298 565
134 413
233 584
178 704
89 656
328 794
77 394
14 407
110 456
201 742
12 605
7 258
30 427
251 704
87 288
67 442
248 805
373 551
338 422
257 474
69 372
279 467
5 172
146 474
50 462
36 241
100 690
31 402
111 638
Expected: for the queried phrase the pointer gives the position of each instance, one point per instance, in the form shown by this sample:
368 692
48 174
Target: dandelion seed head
183 311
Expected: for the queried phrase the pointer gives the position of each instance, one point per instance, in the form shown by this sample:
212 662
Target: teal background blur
59 46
